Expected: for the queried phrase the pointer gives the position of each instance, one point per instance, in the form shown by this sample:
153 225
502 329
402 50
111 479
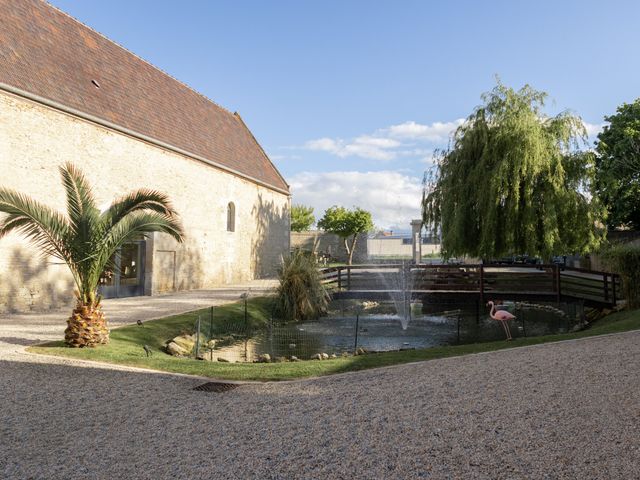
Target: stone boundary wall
381 247
330 244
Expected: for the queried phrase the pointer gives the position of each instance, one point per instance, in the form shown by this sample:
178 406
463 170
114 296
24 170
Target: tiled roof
47 53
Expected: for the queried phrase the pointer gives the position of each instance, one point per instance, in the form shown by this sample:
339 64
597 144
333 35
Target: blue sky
350 98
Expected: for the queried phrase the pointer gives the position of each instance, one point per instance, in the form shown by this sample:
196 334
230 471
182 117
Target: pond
376 330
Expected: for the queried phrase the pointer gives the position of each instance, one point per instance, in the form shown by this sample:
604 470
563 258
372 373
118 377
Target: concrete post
416 236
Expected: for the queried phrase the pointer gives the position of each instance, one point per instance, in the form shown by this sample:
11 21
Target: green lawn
126 347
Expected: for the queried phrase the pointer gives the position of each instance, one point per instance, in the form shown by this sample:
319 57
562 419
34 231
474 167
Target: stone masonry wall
331 244
35 140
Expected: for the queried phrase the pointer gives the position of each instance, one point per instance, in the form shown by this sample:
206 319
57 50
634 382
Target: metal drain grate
217 387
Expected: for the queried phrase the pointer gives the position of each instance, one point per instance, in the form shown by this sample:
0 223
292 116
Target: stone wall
395 247
35 140
330 244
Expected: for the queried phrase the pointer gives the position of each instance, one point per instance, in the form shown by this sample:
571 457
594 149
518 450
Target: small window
231 217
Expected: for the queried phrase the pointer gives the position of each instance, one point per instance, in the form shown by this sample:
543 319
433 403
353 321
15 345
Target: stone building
67 93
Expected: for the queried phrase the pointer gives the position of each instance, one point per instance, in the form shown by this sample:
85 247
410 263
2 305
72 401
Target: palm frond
80 199
87 240
142 222
43 226
129 228
84 218
143 199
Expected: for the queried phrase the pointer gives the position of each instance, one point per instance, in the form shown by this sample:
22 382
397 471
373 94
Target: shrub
624 259
301 294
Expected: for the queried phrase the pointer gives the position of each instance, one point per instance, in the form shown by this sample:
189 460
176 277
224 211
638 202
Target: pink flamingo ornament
501 316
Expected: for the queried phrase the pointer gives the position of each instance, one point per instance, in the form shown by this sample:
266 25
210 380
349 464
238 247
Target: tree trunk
353 248
86 327
349 251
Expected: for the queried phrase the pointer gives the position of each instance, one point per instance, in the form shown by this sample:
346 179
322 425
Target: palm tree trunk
87 327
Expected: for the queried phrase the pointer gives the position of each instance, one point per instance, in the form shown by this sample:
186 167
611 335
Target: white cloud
593 129
392 197
436 132
364 146
325 144
408 139
388 143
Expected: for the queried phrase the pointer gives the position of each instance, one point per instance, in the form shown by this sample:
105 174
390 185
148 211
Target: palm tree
86 240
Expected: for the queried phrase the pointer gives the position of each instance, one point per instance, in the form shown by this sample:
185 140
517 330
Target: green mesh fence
355 327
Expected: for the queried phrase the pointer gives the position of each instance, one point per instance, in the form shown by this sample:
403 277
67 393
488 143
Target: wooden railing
485 281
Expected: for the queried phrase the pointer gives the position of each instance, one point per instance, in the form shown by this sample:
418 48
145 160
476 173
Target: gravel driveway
563 410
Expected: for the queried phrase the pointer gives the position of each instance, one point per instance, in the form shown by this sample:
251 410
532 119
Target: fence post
339 278
246 315
355 346
198 337
481 283
210 323
613 288
349 277
556 274
605 278
406 270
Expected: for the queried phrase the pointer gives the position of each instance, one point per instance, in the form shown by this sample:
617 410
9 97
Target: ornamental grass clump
301 294
625 261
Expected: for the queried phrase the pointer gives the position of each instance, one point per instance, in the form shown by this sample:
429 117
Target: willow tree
514 181
86 240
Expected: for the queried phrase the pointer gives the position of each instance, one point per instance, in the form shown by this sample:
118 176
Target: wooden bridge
473 282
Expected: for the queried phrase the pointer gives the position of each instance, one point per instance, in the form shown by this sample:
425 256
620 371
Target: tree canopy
301 218
347 224
618 167
514 181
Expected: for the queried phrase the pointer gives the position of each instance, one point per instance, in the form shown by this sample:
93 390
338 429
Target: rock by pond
264 358
185 341
176 350
181 346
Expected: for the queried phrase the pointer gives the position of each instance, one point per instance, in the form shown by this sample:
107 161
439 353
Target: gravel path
563 410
